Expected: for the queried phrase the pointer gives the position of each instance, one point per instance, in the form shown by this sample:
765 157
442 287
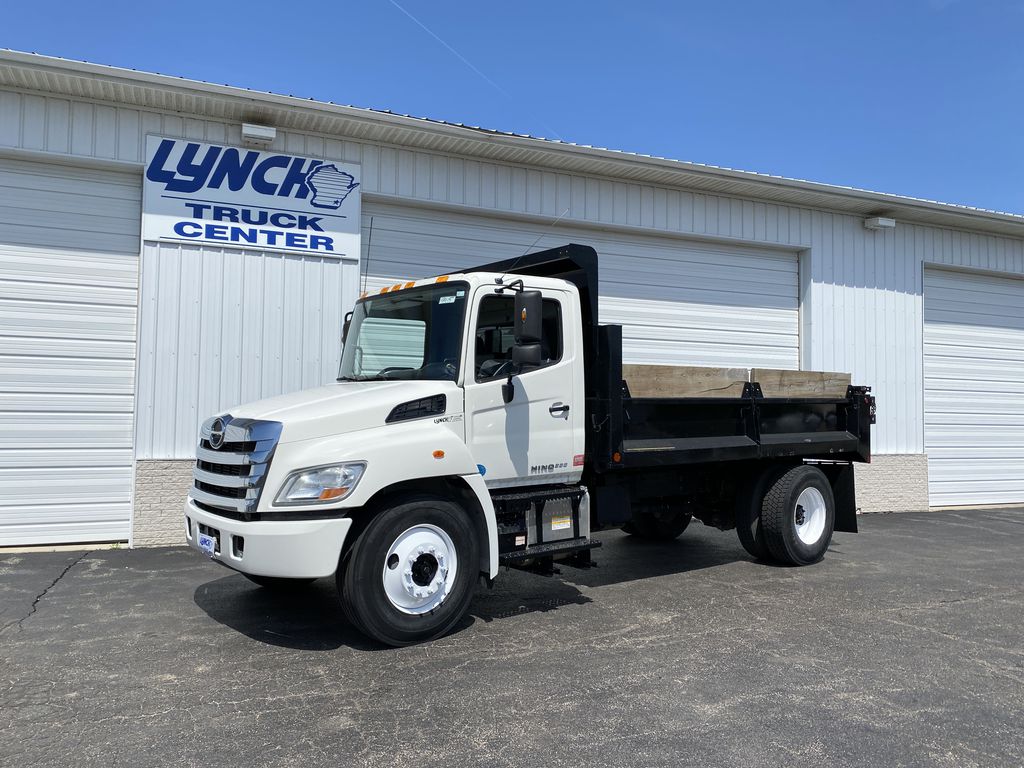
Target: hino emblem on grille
217 432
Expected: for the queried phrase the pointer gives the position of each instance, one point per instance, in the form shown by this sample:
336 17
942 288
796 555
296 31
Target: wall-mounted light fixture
257 135
879 222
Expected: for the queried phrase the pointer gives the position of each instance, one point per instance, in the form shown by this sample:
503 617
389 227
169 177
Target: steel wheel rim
809 515
420 569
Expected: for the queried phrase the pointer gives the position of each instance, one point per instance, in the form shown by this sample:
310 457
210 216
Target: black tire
751 536
277 583
361 586
781 514
647 525
748 512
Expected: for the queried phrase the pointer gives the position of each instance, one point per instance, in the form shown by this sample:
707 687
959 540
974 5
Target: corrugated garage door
69 244
679 302
974 388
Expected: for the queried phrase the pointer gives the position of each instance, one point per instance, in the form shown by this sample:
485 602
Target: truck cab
456 336
478 420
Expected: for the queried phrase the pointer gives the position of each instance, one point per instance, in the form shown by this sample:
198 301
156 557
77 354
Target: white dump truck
482 420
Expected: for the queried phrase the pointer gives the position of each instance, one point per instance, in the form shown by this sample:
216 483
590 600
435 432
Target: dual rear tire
664 525
787 515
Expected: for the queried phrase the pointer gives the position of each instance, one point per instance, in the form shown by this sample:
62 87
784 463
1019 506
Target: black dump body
635 436
663 431
657 431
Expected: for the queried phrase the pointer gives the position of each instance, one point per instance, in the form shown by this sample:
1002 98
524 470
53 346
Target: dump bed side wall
699 381
666 431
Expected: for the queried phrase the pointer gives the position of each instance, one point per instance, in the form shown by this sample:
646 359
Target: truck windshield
410 334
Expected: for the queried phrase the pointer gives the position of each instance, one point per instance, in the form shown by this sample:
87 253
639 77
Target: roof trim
155 91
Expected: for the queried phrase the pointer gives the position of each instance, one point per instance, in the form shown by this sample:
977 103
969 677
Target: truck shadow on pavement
311 618
620 560
306 618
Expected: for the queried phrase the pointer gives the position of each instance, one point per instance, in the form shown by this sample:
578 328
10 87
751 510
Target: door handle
557 409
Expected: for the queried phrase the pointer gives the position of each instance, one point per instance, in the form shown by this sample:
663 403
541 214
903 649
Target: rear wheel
410 575
748 512
278 583
798 515
751 536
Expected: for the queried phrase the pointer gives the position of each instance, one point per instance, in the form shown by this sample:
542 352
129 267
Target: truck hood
347 406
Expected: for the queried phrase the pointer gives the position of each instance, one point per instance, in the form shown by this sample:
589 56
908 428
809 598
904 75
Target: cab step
552 550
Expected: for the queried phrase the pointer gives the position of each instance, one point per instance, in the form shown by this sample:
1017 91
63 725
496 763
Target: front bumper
294 549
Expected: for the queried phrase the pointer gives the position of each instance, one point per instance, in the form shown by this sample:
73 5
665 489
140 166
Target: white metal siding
68 285
861 299
974 388
679 302
220 327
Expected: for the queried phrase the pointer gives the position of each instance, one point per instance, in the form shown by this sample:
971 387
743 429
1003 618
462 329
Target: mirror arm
345 326
515 285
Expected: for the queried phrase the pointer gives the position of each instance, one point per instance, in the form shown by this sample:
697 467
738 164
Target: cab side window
495 336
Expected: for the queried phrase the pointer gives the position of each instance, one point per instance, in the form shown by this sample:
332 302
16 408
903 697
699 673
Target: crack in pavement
35 603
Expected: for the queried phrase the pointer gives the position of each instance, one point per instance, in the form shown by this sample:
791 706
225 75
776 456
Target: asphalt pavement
903 648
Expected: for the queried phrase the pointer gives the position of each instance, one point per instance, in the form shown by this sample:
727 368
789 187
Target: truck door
537 437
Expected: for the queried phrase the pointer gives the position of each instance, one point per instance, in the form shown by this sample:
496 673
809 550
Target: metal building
123 323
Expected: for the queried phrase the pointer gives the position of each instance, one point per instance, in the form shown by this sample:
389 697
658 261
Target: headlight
319 484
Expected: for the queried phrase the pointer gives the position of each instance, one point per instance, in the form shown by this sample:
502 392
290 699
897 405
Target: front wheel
798 515
410 576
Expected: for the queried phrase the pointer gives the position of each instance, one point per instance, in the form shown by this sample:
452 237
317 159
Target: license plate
207 543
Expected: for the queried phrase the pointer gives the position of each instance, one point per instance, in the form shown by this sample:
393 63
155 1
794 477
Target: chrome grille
230 477
238 470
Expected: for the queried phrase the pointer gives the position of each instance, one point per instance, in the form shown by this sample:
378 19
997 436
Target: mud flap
841 477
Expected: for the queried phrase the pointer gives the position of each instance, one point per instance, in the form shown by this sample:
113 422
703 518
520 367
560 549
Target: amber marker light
332 493
438 454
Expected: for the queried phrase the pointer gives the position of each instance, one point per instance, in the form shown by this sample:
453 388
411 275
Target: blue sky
916 97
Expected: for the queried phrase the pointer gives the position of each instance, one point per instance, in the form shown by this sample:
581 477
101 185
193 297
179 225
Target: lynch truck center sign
227 196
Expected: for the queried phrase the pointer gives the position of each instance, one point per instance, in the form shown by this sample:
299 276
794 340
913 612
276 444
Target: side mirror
345 327
529 316
528 325
523 356
526 355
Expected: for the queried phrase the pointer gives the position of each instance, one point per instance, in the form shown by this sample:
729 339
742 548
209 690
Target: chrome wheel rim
809 515
420 569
